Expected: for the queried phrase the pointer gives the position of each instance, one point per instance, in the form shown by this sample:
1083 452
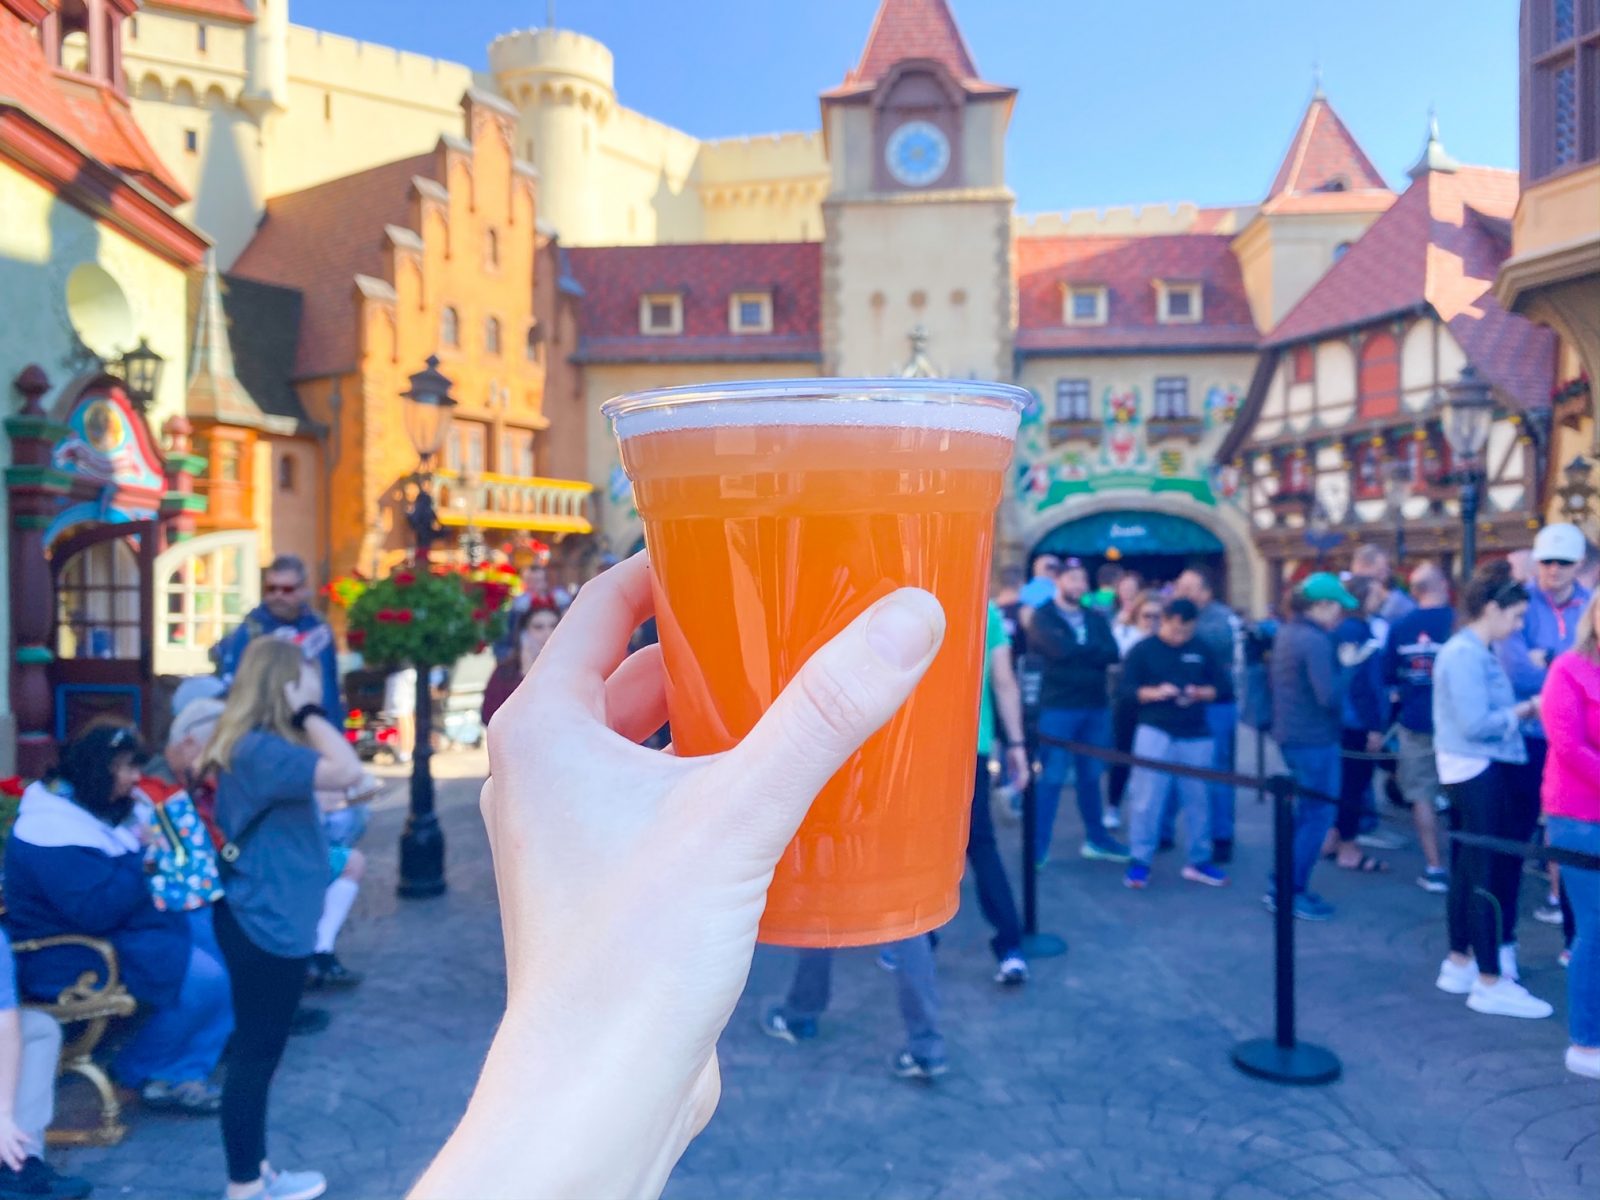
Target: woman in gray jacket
1477 740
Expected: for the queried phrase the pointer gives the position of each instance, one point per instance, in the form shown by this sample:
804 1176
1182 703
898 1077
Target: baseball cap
1326 586
1560 543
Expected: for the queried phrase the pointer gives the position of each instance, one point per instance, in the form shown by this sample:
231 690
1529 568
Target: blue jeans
1316 768
182 1041
1583 891
1093 727
1149 792
1223 721
202 933
989 873
915 984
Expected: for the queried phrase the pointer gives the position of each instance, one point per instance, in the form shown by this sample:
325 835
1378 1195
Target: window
286 473
1303 365
200 38
327 106
516 453
1171 399
750 312
191 141
226 460
133 29
1562 41
661 313
491 336
449 327
205 586
1378 378
1178 303
1086 306
531 345
1072 400
465 449
98 609
1340 251
491 249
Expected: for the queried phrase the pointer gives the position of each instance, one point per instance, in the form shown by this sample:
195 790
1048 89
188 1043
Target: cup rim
824 389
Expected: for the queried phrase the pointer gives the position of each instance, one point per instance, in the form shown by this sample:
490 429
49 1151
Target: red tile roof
706 275
1439 246
319 239
1323 153
913 29
226 10
90 114
1128 267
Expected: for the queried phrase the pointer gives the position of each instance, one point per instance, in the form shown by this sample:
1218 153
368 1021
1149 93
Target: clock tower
918 216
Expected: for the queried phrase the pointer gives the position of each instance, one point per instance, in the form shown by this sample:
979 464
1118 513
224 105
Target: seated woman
74 864
530 630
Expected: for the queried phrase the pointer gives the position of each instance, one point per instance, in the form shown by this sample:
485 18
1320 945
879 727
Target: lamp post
1397 490
1577 493
426 412
141 373
1468 414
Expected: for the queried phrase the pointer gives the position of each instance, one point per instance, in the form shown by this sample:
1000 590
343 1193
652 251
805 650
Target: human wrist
305 713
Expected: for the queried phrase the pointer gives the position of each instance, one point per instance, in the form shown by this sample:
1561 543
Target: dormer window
1179 303
750 312
1086 304
661 313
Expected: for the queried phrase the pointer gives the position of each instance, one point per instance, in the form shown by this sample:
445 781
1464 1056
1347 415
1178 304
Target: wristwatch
305 712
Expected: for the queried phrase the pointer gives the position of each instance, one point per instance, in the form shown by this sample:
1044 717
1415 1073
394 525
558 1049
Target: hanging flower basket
426 617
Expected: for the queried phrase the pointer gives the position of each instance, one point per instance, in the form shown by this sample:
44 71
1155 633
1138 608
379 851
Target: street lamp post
141 373
427 411
1397 490
1468 415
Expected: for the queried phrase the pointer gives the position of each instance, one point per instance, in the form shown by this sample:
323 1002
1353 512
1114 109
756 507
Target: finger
843 694
636 695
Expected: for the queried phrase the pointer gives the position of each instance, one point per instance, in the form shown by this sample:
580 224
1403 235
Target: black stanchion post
1034 943
1282 1059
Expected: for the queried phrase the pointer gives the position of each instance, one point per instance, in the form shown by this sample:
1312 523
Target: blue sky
1120 102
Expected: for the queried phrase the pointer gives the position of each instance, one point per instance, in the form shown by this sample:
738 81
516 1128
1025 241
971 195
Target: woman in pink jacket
1571 793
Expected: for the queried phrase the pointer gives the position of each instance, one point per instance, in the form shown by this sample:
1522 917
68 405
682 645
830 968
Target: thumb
845 692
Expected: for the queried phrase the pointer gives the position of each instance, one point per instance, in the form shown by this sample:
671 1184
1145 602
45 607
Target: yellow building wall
618 521
1556 211
1282 256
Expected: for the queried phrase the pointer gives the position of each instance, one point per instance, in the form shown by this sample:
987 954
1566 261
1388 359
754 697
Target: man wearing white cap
1555 606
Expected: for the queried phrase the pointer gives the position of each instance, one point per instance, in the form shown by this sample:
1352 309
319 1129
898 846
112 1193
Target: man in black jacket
1075 648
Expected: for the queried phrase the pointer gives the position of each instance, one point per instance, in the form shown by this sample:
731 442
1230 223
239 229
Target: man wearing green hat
1306 709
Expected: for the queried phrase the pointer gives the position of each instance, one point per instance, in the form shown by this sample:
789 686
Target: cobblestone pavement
1107 1076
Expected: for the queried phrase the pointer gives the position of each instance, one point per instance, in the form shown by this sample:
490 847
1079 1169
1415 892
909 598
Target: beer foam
913 412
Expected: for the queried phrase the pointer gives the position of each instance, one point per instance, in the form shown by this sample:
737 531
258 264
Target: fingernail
905 627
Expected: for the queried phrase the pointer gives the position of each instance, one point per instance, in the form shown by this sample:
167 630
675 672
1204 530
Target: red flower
385 615
480 614
356 639
404 578
482 646
403 616
13 786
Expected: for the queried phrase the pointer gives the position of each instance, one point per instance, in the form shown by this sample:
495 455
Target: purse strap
231 849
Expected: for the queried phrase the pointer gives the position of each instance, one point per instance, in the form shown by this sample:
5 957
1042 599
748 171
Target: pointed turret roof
914 29
1433 157
1323 158
214 389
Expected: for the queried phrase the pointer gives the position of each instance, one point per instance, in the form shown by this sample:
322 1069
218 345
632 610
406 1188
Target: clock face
918 153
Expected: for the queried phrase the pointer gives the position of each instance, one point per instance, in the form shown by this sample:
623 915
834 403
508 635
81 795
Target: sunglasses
1557 562
1153 615
281 589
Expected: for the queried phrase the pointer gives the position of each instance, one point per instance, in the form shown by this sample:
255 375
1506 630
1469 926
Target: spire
1433 157
214 390
913 29
919 366
1316 82
1324 156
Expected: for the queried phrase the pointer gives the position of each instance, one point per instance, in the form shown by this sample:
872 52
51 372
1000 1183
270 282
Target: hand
1539 658
15 1146
1018 767
1166 691
307 689
631 883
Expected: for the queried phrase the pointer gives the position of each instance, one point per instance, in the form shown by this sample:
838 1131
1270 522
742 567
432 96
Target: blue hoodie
1547 627
310 631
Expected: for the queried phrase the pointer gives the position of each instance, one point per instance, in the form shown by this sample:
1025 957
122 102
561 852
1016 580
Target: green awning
1131 532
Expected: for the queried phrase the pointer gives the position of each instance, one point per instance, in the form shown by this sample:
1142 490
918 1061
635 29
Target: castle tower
561 83
266 85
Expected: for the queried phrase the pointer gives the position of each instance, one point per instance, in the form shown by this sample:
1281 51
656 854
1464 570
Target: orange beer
775 514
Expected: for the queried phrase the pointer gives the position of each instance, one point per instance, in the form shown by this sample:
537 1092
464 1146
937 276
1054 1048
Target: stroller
368 728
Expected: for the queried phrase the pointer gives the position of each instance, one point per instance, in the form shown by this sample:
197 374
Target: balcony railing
512 502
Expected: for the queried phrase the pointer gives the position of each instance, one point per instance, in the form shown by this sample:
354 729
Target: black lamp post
1577 493
1397 490
427 411
1468 414
141 373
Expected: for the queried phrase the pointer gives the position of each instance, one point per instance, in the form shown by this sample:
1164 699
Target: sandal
1365 865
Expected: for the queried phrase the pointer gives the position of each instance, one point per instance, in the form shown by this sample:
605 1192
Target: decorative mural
1123 447
1222 405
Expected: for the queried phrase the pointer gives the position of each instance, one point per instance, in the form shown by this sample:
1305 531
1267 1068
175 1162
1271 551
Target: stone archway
1247 576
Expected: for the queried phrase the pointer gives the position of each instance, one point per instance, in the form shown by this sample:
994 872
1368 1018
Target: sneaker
908 1066
1112 819
1138 876
326 971
1206 873
1548 913
1378 840
1013 970
191 1098
1435 880
1307 906
1222 851
1579 1062
1457 979
775 1024
1106 851
1508 962
1507 998
292 1185
39 1178
886 960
